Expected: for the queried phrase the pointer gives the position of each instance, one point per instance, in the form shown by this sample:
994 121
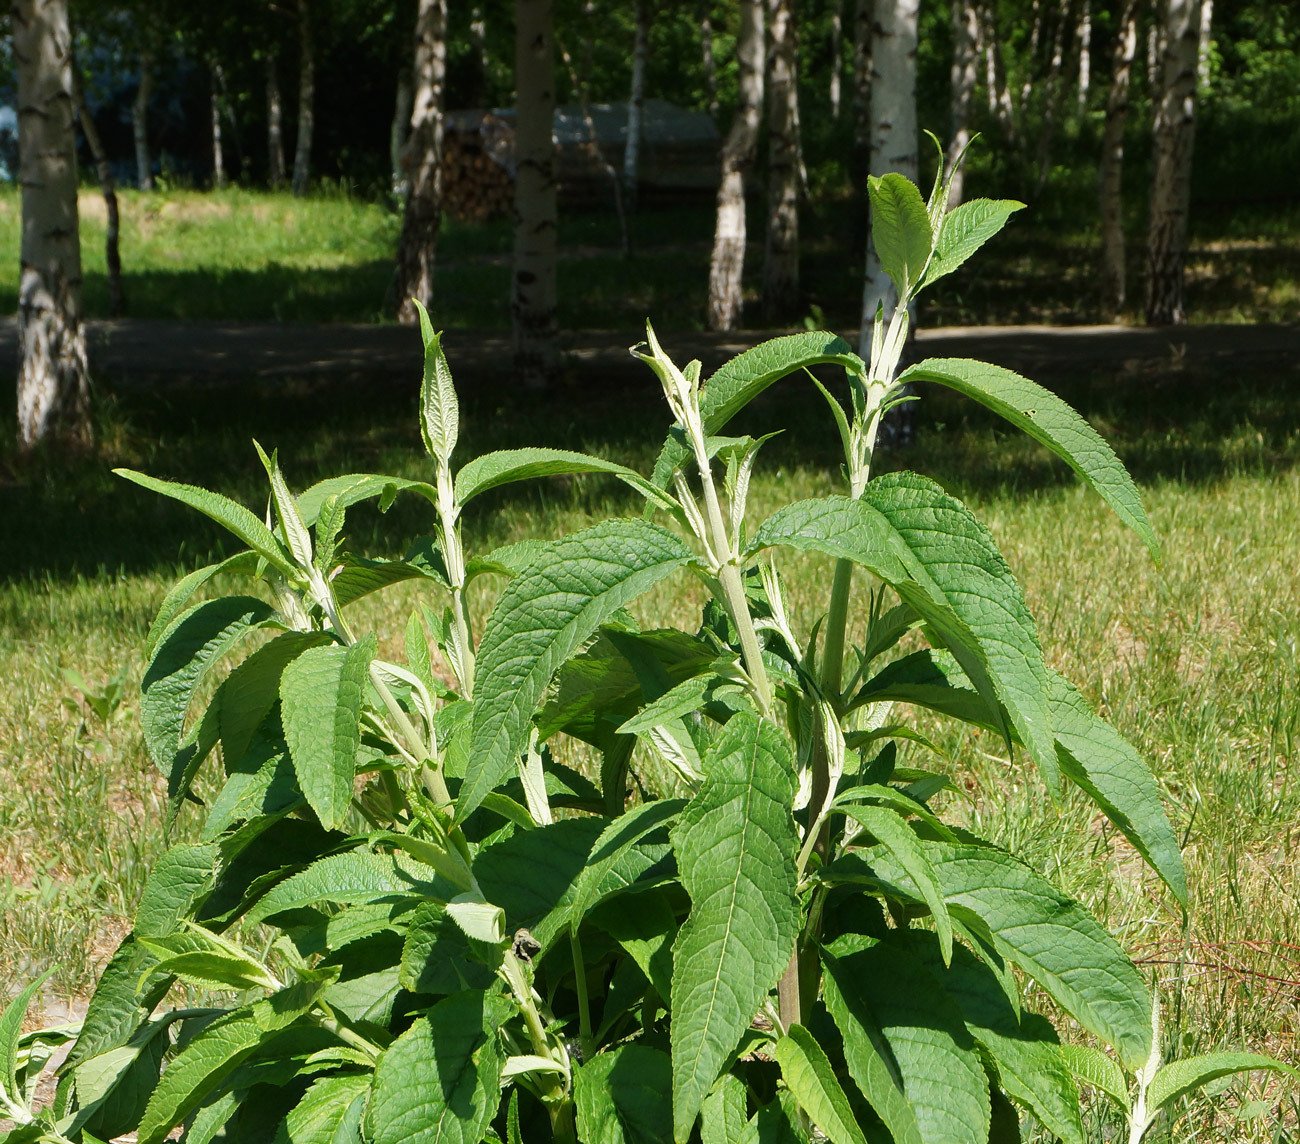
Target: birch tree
399 131
728 260
1174 130
1085 53
422 163
274 124
893 130
53 381
837 36
1113 273
995 73
214 110
140 122
533 296
781 252
962 77
306 100
636 100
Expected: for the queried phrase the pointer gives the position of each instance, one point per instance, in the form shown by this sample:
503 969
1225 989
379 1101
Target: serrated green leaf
964 230
900 230
735 845
1050 422
11 1025
542 617
179 882
113 1088
809 1075
232 516
296 537
183 590
905 1037
437 957
747 375
492 470
723 1118
321 694
1180 1078
1105 765
613 844
440 1080
359 577
1049 936
191 646
329 1112
901 841
1098 1070
439 408
508 560
353 488
115 1012
622 1097
645 926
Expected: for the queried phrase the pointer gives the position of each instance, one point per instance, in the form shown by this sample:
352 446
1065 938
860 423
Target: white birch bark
306 100
422 163
214 110
274 126
140 122
893 131
837 37
1085 53
636 101
1174 131
53 381
400 129
999 95
1113 274
1052 92
781 251
728 259
962 77
1207 40
533 299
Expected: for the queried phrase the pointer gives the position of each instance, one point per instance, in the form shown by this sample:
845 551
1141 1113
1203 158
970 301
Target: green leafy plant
571 877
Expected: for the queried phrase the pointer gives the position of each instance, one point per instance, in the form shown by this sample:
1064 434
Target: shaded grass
238 255
1196 660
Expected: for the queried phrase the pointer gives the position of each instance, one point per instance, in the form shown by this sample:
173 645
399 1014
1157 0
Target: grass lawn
239 255
1196 660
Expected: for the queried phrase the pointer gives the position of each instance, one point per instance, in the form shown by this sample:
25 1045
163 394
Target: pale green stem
584 1005
454 555
837 622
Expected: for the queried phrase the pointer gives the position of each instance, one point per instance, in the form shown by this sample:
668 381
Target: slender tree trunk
214 106
893 131
533 302
1085 53
476 89
1052 93
400 130
710 64
1207 40
1031 60
422 163
837 39
53 380
306 100
1113 275
140 122
1000 105
274 126
781 253
107 187
1155 52
728 260
1175 124
636 102
965 71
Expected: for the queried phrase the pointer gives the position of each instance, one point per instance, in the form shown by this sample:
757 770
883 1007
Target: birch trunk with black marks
636 101
995 72
274 126
422 163
1085 53
1113 272
400 131
306 100
781 250
108 188
214 108
1174 131
893 131
710 64
533 297
1032 61
837 37
962 77
140 122
728 259
53 381
1206 42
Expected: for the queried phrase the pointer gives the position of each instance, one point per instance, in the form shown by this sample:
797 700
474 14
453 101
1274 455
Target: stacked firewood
477 183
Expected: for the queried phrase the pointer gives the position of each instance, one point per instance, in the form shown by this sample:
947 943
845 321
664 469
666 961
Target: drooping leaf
622 1097
541 618
440 1080
964 230
329 1112
183 590
353 488
613 844
321 694
492 470
1179 1078
190 647
735 845
1098 1070
11 1025
114 1087
645 925
900 230
436 955
1100 760
806 1070
179 882
116 1011
1050 422
358 577
904 1036
439 408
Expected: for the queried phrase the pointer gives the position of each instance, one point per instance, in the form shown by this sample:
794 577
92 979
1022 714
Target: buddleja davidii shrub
417 924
